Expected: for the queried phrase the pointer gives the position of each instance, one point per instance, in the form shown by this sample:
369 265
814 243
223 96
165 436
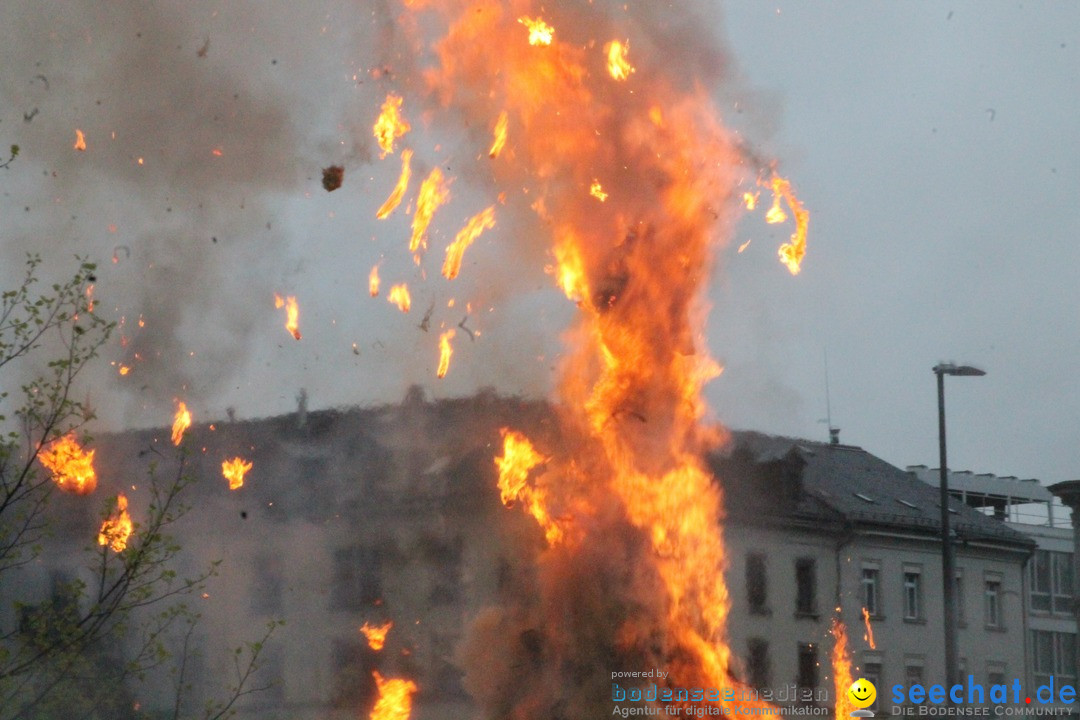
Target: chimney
834 435
301 408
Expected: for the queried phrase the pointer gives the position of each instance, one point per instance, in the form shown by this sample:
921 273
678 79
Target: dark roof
823 483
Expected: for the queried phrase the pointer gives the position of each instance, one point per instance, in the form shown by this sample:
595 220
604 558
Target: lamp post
948 560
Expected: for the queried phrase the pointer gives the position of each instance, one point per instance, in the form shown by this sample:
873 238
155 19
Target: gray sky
934 145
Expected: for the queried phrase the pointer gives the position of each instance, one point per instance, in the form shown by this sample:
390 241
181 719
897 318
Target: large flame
181 422
841 667
869 635
484 220
627 497
376 634
117 528
395 698
390 125
234 471
71 467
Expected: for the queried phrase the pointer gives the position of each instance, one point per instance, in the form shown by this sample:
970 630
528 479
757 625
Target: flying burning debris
617 64
399 190
445 351
376 634
234 471
399 295
395 698
292 313
373 281
181 422
597 192
540 33
117 528
500 135
484 220
841 666
791 253
517 461
80 140
391 125
869 636
72 468
433 193
750 200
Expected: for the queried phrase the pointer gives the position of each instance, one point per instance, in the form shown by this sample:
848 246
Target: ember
445 351
80 140
373 281
391 125
234 471
376 634
399 295
433 193
485 220
181 422
292 313
399 190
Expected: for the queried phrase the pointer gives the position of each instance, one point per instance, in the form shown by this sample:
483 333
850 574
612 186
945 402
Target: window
961 614
357 581
995 673
1053 654
871 670
913 672
912 594
806 586
757 663
992 594
808 666
756 587
1050 576
871 590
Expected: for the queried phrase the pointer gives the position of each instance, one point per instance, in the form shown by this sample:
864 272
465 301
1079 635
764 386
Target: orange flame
72 468
445 351
617 64
399 295
517 461
540 33
234 471
390 125
841 665
791 253
433 193
376 634
292 313
597 192
395 698
500 135
399 190
750 200
869 636
117 528
484 220
80 140
181 422
373 281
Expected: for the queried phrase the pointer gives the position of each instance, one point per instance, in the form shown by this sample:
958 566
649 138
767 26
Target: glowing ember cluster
71 467
234 471
117 528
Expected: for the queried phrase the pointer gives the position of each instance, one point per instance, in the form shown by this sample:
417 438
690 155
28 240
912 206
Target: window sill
995 628
761 611
803 615
915 621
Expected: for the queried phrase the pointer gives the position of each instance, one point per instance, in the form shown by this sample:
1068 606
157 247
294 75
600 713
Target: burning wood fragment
433 193
500 135
292 313
617 63
399 190
540 33
373 281
80 140
445 351
181 422
399 295
395 698
391 125
376 634
484 220
234 471
597 192
72 468
869 636
517 461
332 177
117 528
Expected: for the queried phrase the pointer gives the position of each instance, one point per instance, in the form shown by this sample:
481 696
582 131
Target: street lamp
948 560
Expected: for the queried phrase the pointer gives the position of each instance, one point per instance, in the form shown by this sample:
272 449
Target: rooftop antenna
834 432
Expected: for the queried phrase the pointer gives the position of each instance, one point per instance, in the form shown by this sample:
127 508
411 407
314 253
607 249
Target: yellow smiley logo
862 693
